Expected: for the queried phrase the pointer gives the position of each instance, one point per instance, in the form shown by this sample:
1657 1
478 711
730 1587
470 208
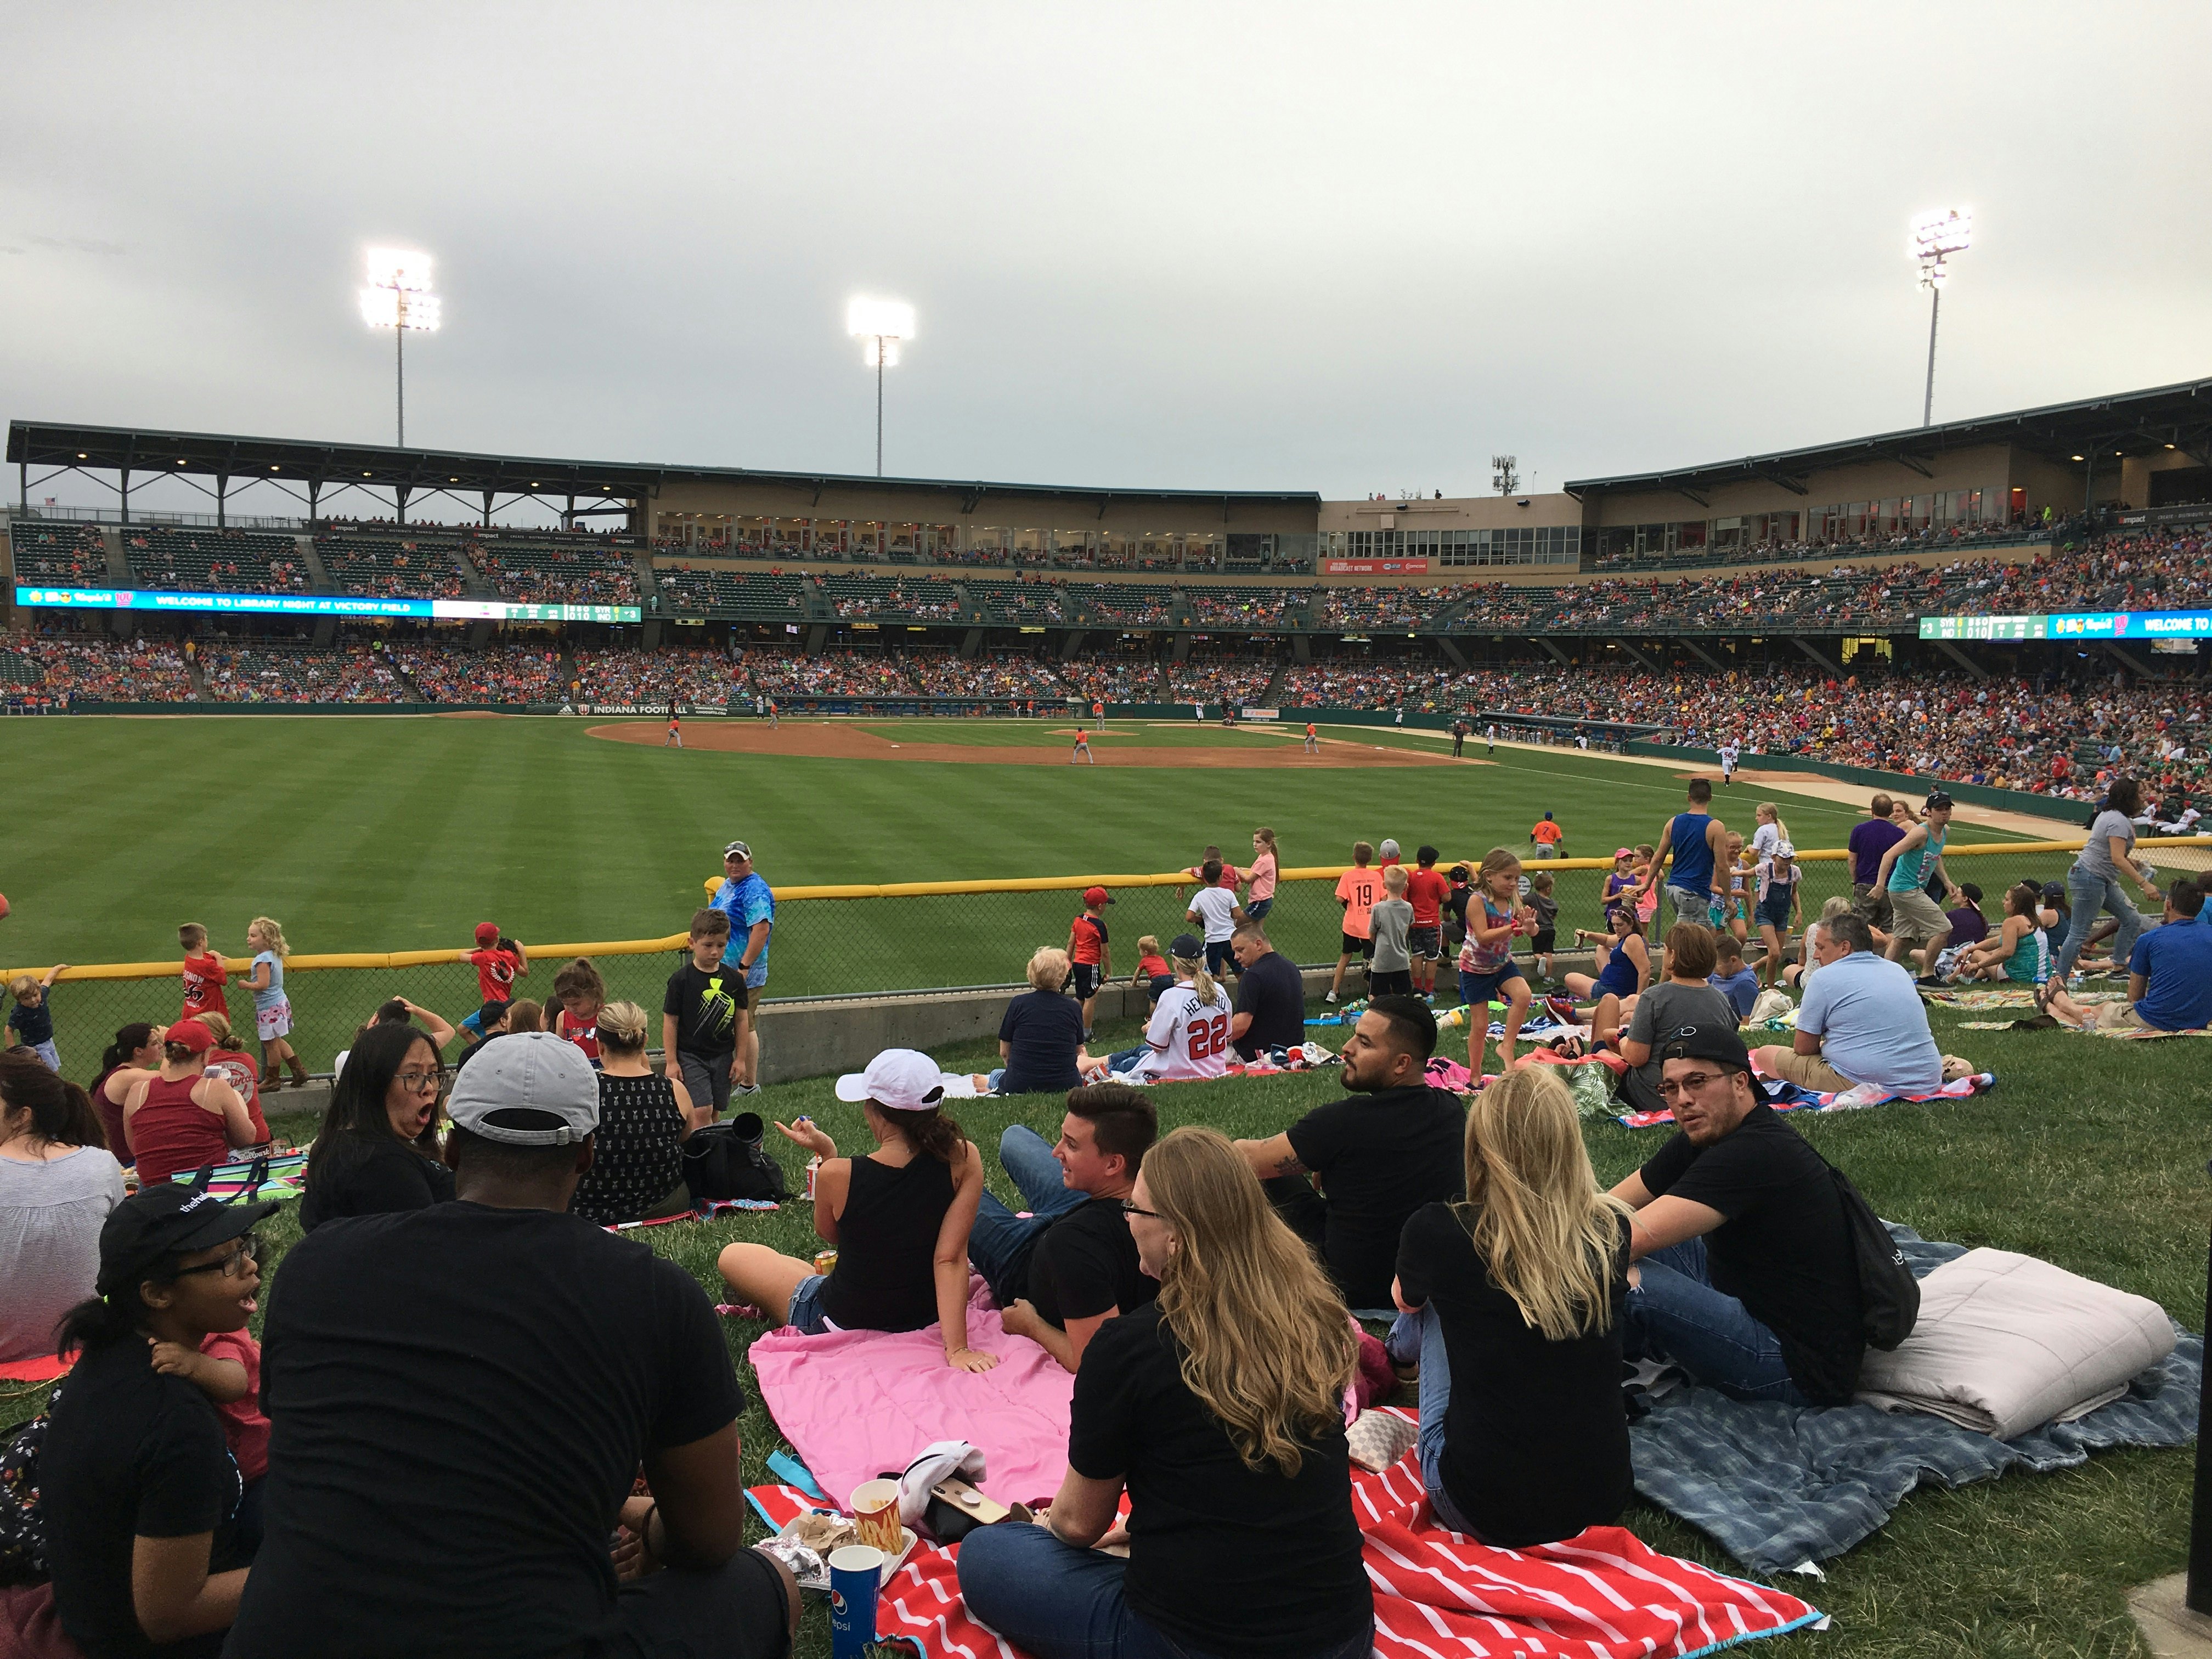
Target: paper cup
856 1574
876 1516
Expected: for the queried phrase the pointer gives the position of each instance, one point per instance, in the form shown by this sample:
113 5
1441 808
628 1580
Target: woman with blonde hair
637 1160
1515 1296
1188 1036
1220 1406
1041 1036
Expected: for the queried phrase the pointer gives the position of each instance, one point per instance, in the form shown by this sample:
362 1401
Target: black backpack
727 1160
1889 1296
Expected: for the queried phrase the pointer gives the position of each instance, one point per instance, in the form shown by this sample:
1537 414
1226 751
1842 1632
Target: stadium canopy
2178 417
313 472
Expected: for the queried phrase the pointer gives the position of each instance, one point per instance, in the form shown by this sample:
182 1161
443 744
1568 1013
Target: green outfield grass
2084 1155
378 833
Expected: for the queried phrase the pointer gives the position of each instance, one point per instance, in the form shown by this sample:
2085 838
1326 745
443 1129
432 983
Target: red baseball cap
190 1034
487 932
1097 896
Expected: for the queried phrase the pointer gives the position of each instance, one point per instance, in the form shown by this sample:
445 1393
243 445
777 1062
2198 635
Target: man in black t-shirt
1068 1267
1271 996
1381 1156
460 1399
1746 1277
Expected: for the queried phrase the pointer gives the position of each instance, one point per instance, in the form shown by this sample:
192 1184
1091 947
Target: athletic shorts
270 1024
1390 982
1916 917
1217 957
706 1077
1352 945
1086 981
1544 941
1476 989
1426 942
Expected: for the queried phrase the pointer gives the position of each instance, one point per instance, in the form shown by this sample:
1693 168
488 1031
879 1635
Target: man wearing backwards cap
141 1493
460 1399
745 897
1745 1278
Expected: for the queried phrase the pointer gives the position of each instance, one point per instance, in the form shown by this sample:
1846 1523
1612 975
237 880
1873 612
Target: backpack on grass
1889 1296
727 1160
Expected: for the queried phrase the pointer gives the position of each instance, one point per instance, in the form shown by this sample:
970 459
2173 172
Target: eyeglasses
231 1265
1690 1083
416 1082
1129 1206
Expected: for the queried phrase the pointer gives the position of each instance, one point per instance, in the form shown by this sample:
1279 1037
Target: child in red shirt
204 974
226 1367
498 961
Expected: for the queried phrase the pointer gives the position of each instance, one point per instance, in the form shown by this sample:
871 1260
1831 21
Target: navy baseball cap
1189 946
1708 1041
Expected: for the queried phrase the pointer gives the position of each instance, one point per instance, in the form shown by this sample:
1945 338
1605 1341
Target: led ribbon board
315 604
2073 625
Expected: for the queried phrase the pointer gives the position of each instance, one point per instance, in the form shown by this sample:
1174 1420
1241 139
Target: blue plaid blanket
1780 1485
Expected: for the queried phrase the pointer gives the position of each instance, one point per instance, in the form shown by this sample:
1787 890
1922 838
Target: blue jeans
1059 1602
1676 1313
1000 1239
2088 894
1424 1332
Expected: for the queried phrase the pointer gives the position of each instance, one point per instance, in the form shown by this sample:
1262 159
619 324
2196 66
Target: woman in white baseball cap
897 1217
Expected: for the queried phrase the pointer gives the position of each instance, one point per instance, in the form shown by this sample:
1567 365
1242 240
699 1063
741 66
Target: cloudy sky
1350 248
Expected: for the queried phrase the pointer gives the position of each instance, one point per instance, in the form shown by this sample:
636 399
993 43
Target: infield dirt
840 742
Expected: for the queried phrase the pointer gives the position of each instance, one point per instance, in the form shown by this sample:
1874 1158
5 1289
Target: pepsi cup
856 1574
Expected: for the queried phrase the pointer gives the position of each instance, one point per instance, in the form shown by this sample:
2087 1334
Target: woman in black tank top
898 1218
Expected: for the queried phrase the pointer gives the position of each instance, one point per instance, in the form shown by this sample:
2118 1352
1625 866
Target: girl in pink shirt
1260 898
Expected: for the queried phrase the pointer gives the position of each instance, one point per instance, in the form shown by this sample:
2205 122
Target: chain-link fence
858 941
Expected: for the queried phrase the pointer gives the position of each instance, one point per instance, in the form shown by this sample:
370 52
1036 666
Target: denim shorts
1774 909
1258 909
806 1312
1477 989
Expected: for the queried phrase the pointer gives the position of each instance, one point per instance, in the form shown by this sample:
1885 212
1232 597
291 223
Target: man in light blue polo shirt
1862 1021
745 897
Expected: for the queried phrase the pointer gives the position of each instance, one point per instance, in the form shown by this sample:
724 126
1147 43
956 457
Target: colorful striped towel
1605 1594
1789 1097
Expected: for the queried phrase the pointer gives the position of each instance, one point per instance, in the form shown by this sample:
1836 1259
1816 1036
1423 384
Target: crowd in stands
395 567
654 679
1396 607
85 670
1117 679
868 674
212 561
699 591
346 674
1125 604
1249 607
1027 601
1001 674
1237 681
1934 537
493 674
578 571
59 553
867 596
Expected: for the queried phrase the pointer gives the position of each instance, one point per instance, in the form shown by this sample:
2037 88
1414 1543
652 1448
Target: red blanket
1438 1595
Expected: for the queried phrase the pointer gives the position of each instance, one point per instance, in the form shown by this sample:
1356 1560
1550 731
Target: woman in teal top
2020 951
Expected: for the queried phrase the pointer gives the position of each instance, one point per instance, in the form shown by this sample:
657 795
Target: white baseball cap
535 1073
897 1079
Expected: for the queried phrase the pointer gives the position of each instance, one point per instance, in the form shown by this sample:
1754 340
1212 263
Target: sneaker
744 1088
1331 997
1561 1008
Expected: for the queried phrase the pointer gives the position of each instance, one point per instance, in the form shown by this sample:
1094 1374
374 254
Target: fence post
2198 1595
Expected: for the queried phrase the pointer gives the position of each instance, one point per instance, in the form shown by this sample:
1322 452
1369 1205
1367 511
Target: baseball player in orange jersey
1313 739
1082 750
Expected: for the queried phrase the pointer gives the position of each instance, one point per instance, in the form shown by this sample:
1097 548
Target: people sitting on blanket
1040 1035
1733 980
1188 1034
1684 997
1068 1265
898 1218
637 1162
377 1150
134 1057
2020 951
1624 966
1219 1408
185 1117
57 1184
1271 996
1511 1304
1746 1277
462 1397
2169 974
141 1492
1382 1154
1862 1021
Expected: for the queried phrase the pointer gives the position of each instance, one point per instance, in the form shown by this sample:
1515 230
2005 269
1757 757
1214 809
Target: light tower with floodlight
881 325
398 298
1935 237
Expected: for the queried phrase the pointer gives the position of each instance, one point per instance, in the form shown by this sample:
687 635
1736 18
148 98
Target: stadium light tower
398 298
1935 237
880 325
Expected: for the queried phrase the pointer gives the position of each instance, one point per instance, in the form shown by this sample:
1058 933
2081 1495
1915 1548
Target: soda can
856 1576
824 1260
812 1164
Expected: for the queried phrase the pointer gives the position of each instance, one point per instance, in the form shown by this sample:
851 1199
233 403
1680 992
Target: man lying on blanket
1744 1274
2169 974
1862 1021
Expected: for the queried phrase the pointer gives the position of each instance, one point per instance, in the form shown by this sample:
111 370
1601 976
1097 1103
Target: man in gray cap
460 1398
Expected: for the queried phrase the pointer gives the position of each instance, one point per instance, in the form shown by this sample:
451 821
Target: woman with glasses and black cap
141 1494
377 1150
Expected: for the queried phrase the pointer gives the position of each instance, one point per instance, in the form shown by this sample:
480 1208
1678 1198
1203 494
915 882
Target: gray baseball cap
527 1072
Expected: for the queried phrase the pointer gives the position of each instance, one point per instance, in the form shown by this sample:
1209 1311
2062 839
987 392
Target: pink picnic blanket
855 1403
1604 1594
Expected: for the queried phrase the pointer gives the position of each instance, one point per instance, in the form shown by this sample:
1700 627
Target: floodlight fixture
880 326
1937 235
398 298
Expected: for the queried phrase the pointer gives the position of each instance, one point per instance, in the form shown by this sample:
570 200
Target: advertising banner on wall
2073 625
315 604
1374 567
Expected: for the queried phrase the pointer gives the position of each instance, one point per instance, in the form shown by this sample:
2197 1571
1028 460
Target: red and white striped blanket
1604 1594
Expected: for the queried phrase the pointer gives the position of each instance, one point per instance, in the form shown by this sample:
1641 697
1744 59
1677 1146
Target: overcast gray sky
1348 248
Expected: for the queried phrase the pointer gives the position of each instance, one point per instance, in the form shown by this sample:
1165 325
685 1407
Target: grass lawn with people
2088 1154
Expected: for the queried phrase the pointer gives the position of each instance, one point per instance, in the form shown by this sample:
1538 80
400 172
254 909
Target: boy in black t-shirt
699 1015
1747 1277
1064 1270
